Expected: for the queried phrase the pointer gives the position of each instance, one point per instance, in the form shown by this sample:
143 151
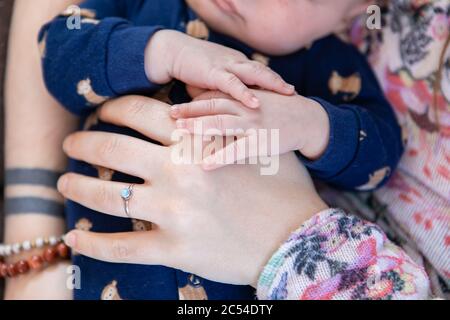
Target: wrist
159 56
310 205
48 284
317 129
156 59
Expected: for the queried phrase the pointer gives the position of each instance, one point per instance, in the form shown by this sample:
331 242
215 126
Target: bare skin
42 124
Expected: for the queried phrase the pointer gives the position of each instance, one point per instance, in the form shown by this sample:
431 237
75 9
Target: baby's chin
277 48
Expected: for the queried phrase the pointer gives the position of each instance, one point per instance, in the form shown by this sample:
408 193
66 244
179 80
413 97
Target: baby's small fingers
257 74
208 95
225 125
229 83
233 153
194 92
206 107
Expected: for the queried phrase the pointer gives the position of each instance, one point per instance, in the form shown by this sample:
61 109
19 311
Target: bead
36 262
22 267
52 241
50 254
26 245
7 250
39 242
11 270
16 248
63 250
3 270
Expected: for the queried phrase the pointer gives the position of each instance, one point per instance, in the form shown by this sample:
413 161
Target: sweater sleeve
94 54
335 256
365 143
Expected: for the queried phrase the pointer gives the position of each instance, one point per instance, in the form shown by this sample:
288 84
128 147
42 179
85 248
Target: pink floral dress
334 256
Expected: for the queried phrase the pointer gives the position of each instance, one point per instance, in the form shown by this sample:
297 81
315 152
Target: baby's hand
174 55
302 125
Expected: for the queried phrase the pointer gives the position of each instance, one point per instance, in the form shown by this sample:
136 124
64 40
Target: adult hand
222 225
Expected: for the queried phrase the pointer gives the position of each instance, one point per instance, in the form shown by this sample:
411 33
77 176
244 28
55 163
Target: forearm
35 125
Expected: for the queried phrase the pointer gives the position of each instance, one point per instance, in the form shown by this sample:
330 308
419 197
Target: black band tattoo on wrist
40 177
26 205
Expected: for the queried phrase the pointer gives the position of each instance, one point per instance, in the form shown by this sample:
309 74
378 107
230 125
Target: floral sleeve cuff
335 256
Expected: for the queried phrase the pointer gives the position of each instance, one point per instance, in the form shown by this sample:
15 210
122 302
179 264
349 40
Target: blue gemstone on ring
125 193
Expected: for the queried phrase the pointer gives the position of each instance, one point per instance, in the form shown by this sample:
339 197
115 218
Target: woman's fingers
239 150
145 115
133 247
229 83
105 196
206 107
256 74
118 152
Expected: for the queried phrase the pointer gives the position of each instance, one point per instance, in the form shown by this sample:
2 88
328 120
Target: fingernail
175 112
255 102
71 239
290 87
62 184
181 124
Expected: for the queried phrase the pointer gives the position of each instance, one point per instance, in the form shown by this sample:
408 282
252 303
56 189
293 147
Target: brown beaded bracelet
35 262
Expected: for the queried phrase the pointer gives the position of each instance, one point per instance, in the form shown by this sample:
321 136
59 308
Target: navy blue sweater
105 59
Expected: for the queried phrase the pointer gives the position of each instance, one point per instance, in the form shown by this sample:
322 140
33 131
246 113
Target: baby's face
277 26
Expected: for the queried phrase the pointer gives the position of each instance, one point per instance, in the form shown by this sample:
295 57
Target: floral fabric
411 57
335 256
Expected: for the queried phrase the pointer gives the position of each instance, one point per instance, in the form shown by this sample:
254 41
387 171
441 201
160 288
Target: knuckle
214 75
211 106
120 250
136 107
258 68
117 106
103 194
231 79
184 109
275 76
108 147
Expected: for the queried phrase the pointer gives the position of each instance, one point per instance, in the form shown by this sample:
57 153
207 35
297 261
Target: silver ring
126 195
